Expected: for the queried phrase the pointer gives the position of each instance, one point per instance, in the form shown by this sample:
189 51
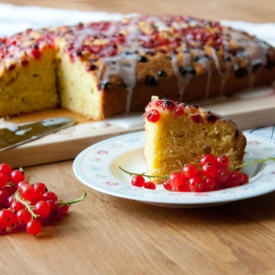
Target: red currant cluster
212 174
25 204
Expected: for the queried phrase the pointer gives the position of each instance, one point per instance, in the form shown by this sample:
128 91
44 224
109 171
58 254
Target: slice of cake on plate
177 134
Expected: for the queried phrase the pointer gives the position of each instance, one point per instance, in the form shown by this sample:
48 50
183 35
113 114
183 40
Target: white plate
98 167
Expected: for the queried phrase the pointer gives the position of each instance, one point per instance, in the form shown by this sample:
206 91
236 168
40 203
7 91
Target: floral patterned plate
98 167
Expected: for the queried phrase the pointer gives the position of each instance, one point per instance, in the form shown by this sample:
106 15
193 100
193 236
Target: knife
22 133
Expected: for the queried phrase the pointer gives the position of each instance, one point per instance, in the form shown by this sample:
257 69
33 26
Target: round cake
102 69
177 134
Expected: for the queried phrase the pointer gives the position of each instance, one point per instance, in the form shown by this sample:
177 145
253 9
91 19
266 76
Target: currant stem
26 203
69 203
254 162
141 174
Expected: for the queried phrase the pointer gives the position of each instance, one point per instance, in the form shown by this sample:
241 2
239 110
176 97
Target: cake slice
177 134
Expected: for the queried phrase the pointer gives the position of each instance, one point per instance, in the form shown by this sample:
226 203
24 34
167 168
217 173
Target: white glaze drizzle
182 80
224 75
254 51
125 65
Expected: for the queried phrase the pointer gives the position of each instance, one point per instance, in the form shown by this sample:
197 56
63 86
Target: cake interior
30 87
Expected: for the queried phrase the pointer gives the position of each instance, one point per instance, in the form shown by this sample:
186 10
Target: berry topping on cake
101 69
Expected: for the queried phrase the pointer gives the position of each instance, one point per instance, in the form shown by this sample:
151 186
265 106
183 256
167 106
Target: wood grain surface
109 235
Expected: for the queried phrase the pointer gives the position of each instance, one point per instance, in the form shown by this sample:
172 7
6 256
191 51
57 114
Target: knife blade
22 133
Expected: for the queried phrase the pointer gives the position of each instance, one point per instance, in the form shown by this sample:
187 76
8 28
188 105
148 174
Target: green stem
142 174
254 162
26 203
69 203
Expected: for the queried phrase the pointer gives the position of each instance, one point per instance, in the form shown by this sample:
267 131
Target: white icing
125 67
205 62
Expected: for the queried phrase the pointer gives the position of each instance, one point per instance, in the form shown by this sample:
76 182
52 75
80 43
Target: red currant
17 176
6 217
210 184
9 201
208 169
152 115
23 217
54 208
222 175
4 194
207 158
234 179
41 187
176 180
150 185
63 209
42 208
21 183
5 169
197 184
183 188
189 170
16 206
138 181
50 196
36 53
3 180
10 189
167 185
33 227
27 191
222 161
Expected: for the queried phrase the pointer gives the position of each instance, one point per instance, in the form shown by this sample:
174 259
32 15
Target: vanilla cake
27 73
102 69
177 134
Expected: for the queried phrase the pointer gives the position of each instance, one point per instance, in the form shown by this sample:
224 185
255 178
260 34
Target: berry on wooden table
27 205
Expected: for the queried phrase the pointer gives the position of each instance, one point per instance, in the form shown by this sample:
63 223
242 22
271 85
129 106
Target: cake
177 134
102 69
27 73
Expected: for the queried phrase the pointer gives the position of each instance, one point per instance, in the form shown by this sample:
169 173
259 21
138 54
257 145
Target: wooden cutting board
248 110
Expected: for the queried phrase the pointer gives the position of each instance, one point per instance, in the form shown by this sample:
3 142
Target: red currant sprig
138 180
212 174
25 204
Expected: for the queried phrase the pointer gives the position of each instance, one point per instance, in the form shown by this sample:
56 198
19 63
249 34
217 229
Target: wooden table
109 235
